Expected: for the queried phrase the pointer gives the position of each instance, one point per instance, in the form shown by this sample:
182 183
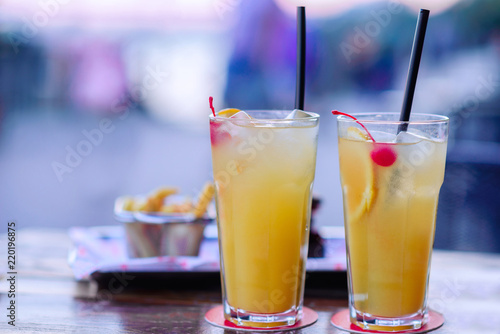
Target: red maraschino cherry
217 134
382 154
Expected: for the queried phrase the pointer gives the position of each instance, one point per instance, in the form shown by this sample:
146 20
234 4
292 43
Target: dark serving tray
100 254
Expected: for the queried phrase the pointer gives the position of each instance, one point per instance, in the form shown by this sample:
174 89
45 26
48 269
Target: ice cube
383 137
405 137
235 127
241 115
297 113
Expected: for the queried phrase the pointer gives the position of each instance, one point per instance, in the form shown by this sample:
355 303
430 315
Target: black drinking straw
411 80
301 58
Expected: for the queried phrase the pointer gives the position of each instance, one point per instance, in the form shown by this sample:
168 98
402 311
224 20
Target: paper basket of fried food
164 223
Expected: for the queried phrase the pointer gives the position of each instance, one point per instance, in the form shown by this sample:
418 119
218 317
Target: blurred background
102 98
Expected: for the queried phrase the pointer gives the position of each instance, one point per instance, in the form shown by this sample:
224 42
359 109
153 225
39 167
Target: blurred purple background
104 98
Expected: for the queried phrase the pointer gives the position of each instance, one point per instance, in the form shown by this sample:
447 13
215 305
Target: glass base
244 318
376 323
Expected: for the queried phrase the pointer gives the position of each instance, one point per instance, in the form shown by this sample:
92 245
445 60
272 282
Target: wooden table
465 287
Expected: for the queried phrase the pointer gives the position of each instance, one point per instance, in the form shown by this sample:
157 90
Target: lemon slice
227 112
356 134
357 174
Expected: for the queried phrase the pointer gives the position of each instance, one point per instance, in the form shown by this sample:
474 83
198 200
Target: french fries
206 195
129 204
157 202
185 207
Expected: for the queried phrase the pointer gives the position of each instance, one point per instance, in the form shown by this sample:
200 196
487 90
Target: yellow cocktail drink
390 190
264 171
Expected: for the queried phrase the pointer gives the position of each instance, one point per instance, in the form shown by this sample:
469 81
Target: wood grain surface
465 287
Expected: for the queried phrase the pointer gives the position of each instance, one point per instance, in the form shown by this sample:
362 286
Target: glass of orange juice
390 184
264 164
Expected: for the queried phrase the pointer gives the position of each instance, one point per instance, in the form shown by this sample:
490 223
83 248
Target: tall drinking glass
390 192
264 170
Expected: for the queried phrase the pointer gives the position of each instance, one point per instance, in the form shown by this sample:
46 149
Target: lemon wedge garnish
228 112
357 134
357 174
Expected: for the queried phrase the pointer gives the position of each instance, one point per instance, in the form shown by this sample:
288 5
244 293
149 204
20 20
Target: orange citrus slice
357 134
357 176
227 112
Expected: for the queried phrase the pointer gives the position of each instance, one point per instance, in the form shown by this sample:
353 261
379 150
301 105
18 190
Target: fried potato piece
206 196
154 202
185 207
129 204
168 209
165 192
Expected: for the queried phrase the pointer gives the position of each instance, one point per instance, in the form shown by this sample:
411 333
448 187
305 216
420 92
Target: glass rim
432 118
314 117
